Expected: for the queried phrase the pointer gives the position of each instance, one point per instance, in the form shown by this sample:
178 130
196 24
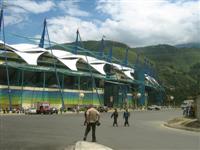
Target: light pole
171 99
138 95
81 96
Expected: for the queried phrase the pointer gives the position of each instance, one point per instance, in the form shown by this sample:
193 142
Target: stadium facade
69 75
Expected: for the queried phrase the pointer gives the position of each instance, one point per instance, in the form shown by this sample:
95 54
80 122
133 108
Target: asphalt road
55 132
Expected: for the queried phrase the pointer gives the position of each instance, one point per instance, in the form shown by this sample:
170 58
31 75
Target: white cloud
15 19
63 29
136 23
31 5
71 7
18 10
141 22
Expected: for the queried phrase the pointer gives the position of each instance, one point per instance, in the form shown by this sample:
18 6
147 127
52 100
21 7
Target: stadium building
70 75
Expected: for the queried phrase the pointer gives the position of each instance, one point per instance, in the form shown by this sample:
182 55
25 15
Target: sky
133 22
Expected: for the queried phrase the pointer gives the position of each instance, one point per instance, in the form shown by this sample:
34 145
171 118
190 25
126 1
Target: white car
154 107
186 103
31 111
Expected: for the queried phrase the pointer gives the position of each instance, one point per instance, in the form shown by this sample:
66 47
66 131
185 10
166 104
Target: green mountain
177 68
188 45
166 55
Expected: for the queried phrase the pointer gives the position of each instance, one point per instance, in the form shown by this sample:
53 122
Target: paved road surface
46 132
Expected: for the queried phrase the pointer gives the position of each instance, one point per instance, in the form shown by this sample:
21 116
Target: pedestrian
115 116
92 118
77 108
126 116
184 111
85 116
61 110
187 111
7 110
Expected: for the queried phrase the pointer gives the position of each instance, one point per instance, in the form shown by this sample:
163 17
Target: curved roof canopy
126 70
70 60
30 54
151 79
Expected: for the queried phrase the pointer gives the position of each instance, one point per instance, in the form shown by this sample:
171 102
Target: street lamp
137 96
172 98
81 96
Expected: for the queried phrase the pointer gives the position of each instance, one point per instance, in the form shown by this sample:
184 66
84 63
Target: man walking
126 116
115 116
92 116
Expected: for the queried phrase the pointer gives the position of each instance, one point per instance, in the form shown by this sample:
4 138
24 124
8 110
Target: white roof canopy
151 79
97 64
126 70
128 74
27 48
70 60
30 58
70 63
60 53
99 68
30 53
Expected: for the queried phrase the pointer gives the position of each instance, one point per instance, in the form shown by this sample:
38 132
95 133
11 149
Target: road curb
181 127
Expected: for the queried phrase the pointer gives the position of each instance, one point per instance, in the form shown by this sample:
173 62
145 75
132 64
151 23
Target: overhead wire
57 77
93 80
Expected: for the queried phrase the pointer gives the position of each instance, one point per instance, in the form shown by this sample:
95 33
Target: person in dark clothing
115 116
126 116
85 115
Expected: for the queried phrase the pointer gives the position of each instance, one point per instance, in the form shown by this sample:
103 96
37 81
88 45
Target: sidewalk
184 124
9 114
82 145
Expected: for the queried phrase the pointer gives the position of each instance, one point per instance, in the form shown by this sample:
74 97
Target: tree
195 73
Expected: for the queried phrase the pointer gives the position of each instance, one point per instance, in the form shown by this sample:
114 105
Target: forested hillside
177 67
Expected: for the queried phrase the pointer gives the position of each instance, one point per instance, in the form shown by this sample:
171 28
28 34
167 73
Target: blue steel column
139 71
101 49
22 84
44 84
6 59
41 44
141 87
159 97
76 42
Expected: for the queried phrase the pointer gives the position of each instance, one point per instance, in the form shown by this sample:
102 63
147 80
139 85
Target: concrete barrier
83 145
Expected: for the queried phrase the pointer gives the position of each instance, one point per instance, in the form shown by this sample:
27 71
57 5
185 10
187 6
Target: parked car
43 108
186 103
31 111
102 109
14 110
154 107
53 110
72 109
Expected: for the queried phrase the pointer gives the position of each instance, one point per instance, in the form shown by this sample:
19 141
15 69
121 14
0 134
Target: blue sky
134 22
